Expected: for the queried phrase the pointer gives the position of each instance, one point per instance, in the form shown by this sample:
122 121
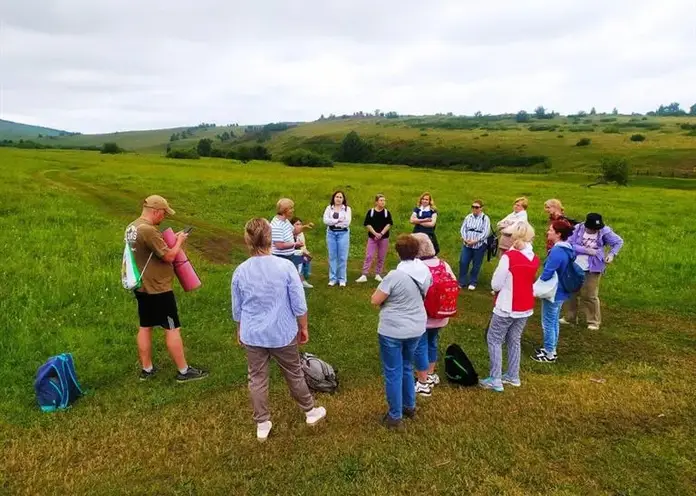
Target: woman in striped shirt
474 232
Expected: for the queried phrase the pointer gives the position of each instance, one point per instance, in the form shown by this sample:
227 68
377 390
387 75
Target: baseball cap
158 203
594 221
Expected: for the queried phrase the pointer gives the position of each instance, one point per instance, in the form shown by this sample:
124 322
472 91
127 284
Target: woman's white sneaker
378 278
315 415
362 278
263 429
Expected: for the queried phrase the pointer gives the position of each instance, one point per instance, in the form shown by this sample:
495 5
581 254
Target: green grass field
62 216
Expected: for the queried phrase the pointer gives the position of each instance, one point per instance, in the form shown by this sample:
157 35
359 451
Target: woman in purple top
590 241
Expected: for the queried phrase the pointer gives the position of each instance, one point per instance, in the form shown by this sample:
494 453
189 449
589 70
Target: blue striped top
476 227
282 231
267 298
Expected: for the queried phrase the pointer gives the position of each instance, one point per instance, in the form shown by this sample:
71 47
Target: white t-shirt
588 241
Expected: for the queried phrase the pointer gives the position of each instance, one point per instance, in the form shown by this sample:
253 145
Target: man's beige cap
158 203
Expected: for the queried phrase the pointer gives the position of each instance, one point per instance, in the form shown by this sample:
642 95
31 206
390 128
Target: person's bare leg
431 369
144 340
422 376
175 346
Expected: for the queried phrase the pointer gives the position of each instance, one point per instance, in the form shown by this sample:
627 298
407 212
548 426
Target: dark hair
333 197
407 247
294 220
563 228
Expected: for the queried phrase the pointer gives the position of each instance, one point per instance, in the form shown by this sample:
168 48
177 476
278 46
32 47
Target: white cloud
98 66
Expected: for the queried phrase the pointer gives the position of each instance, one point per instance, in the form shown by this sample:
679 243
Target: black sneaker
192 374
544 358
392 424
145 375
409 413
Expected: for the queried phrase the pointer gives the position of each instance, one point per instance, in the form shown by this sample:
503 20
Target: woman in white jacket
337 217
513 281
505 226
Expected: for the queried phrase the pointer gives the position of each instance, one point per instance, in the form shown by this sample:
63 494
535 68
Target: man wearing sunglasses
474 232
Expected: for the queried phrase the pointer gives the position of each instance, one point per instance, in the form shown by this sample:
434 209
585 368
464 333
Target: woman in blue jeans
560 256
337 217
474 232
402 320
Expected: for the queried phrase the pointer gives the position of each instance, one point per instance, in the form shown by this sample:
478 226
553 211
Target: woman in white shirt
505 226
337 217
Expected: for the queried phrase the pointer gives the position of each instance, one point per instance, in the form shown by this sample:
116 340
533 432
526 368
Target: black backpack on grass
458 368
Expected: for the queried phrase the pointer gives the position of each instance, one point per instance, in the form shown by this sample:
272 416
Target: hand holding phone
188 230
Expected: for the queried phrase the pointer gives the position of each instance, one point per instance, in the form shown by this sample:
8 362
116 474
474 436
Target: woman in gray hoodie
402 321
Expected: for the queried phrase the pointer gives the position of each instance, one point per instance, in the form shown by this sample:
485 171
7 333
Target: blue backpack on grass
56 383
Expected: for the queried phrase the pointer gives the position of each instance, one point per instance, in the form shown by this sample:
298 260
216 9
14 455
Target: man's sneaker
539 351
563 321
409 413
362 278
192 374
511 382
471 287
332 283
306 285
544 358
434 379
145 375
423 389
492 384
392 423
263 429
378 278
315 415
593 327
342 284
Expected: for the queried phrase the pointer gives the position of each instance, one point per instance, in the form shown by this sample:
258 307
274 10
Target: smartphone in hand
188 230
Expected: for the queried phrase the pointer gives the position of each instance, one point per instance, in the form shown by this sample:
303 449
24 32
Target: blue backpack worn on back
573 277
56 383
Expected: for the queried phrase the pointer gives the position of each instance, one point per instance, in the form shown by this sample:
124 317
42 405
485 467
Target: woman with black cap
590 241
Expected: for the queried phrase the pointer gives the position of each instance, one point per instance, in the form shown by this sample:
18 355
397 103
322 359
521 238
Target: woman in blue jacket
560 256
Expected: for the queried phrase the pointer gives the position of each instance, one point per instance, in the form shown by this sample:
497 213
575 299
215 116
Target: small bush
111 148
615 170
183 153
637 137
583 142
611 130
423 134
559 136
607 119
484 135
688 127
306 158
691 133
581 129
543 127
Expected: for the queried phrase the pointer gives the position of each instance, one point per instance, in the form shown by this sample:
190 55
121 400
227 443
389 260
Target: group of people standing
270 308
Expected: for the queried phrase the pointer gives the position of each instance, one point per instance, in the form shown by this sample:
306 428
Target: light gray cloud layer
98 66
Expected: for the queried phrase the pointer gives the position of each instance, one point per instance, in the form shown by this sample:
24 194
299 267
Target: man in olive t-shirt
156 302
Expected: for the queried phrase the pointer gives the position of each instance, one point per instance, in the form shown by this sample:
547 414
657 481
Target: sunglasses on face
476 206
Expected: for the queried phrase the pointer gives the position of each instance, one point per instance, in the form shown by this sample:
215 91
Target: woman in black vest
424 218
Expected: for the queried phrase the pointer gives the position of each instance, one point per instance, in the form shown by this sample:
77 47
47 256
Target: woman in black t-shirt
424 218
378 221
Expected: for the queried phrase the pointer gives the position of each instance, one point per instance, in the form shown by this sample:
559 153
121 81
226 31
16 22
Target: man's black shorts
157 310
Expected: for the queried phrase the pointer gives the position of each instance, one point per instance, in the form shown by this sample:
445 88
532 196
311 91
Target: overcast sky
107 65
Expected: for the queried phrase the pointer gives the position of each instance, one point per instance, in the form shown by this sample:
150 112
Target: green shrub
189 153
580 129
543 127
637 137
306 158
559 136
111 148
611 130
615 170
583 142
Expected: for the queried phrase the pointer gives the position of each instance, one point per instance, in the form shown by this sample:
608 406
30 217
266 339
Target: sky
96 66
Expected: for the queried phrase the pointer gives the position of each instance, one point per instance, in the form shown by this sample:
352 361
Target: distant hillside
10 130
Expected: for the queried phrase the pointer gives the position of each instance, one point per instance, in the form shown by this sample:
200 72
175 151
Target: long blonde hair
432 202
555 204
522 233
257 236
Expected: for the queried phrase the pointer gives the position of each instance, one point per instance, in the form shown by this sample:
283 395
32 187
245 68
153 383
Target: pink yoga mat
182 266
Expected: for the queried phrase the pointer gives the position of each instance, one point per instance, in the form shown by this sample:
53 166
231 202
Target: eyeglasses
476 206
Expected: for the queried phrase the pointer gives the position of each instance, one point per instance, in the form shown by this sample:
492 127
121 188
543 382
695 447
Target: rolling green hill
13 130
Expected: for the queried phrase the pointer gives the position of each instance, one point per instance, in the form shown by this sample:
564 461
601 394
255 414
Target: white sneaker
362 278
342 284
423 389
315 415
471 287
593 327
563 321
263 429
305 284
378 278
332 283
434 379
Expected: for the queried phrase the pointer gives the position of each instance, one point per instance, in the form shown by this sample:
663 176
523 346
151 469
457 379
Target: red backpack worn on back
441 299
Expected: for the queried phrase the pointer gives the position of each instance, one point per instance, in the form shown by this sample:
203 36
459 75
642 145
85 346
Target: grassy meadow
615 415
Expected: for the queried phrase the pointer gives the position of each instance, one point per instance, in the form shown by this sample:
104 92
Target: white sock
148 369
184 370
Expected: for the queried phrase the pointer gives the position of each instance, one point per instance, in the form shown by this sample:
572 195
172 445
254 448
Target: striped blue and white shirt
282 231
267 298
476 227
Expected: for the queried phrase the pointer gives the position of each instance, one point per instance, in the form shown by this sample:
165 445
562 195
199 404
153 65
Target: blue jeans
426 351
550 313
306 270
465 258
399 384
338 243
